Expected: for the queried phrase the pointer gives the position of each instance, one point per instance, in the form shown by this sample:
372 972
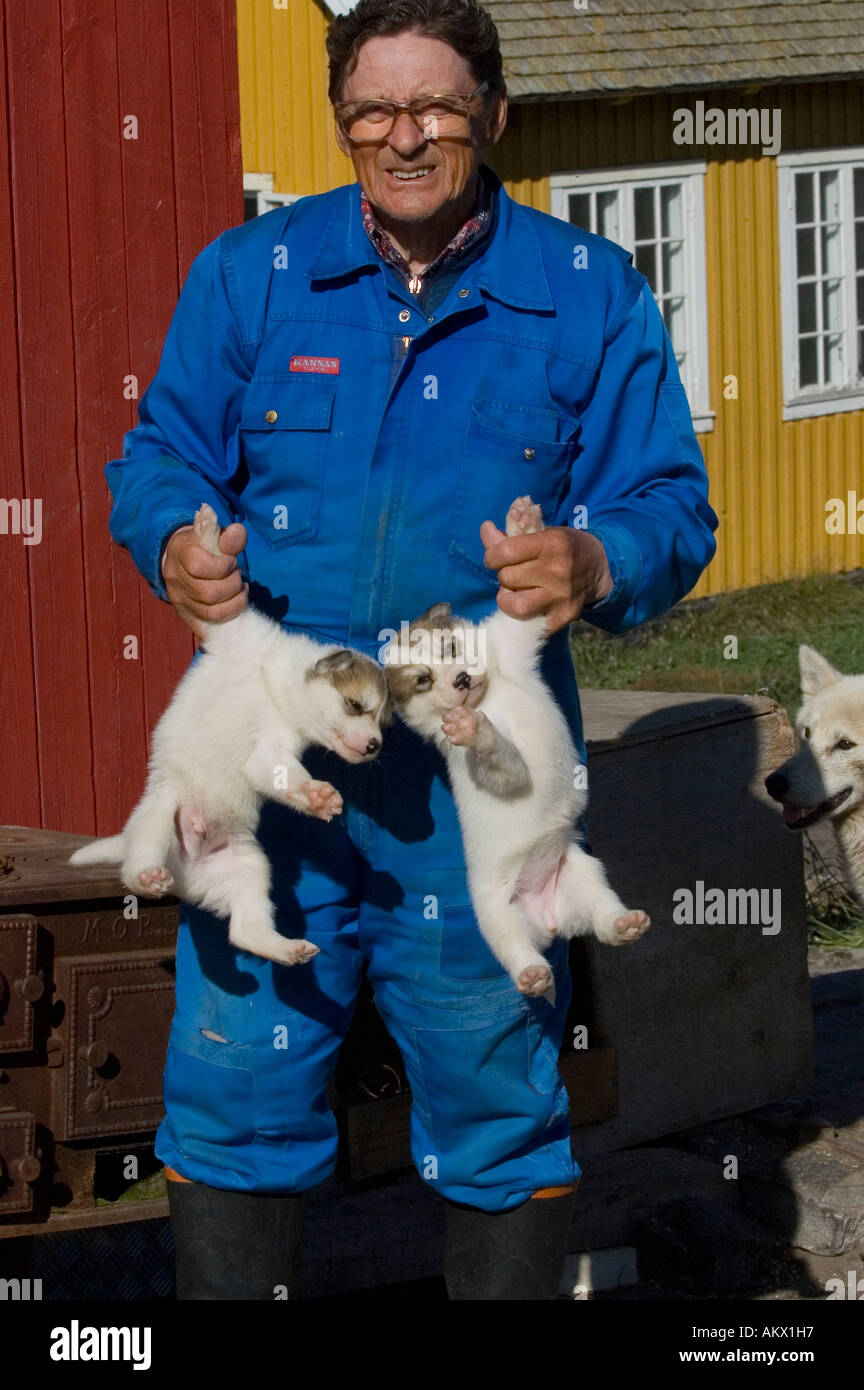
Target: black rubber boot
235 1245
517 1254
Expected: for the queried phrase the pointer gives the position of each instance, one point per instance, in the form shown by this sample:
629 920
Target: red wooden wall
97 232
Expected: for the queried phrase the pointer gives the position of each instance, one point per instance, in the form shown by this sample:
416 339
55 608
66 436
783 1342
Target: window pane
643 211
808 374
860 297
858 179
671 200
673 267
829 195
807 308
803 198
830 250
676 323
806 240
859 245
833 360
832 305
860 354
646 261
608 223
579 210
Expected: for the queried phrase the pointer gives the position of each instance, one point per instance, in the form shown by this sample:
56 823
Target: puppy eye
844 743
424 680
805 733
353 706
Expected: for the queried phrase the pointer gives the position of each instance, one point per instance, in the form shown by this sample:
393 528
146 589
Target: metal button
529 453
271 417
463 294
405 316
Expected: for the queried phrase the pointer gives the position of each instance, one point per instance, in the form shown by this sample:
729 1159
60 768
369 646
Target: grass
684 651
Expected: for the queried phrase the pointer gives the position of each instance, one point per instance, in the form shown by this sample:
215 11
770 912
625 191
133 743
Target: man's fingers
512 550
200 564
214 613
208 593
233 539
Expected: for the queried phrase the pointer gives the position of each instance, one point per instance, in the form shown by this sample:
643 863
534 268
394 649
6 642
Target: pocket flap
298 402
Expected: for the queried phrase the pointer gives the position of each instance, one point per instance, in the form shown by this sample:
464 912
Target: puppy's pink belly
196 838
538 901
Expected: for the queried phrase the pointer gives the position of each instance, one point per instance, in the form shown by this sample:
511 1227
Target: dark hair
463 24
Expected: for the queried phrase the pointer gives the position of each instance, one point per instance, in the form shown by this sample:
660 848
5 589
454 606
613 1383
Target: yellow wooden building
725 149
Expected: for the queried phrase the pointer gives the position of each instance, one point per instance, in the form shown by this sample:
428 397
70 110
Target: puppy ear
401 683
436 615
387 712
334 661
816 672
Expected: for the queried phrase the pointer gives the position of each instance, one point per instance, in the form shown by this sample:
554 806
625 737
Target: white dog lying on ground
475 692
825 778
232 735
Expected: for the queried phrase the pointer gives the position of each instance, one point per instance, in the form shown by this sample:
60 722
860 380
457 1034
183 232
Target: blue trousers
254 1044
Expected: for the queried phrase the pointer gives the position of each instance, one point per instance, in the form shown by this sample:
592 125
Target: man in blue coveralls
360 384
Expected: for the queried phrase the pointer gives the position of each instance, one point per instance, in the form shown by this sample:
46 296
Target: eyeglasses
433 116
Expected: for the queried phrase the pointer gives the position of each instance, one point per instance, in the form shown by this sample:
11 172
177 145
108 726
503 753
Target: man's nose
406 136
463 681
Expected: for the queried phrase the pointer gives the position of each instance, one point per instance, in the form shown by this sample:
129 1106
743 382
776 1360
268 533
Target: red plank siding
96 235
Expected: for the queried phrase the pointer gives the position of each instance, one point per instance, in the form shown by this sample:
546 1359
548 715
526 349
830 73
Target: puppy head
442 665
352 704
825 778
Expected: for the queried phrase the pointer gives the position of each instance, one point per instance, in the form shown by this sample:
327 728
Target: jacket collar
511 268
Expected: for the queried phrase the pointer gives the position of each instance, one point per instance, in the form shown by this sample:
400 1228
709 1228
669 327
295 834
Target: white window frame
798 403
691 175
261 187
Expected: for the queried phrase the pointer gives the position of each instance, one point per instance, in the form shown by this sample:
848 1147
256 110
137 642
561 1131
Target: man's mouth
799 817
412 175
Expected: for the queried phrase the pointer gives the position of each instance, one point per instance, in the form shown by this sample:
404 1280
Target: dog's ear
334 661
388 712
435 616
401 684
816 672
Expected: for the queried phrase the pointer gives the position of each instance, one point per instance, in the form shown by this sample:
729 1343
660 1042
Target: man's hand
201 587
556 571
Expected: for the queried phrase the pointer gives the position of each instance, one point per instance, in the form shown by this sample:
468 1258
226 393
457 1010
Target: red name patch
330 365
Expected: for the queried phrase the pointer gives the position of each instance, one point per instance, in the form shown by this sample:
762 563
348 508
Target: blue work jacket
303 391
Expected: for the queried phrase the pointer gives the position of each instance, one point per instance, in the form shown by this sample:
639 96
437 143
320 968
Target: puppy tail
107 851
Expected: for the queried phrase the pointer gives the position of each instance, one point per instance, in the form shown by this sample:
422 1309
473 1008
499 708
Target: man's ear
341 138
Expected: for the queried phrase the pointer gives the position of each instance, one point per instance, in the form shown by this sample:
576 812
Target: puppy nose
463 681
776 785
372 746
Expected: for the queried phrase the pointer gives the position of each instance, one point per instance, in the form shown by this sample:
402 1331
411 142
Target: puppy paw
628 926
294 952
461 725
524 518
534 980
469 728
206 529
318 799
152 883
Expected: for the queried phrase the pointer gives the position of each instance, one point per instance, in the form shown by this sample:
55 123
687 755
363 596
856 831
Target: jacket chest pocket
509 450
285 426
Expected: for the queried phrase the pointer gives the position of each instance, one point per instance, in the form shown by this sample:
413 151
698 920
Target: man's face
401 67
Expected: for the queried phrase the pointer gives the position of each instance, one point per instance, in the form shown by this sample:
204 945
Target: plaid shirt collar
466 236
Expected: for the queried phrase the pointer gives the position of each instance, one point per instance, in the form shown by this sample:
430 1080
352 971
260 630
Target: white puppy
232 735
475 691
